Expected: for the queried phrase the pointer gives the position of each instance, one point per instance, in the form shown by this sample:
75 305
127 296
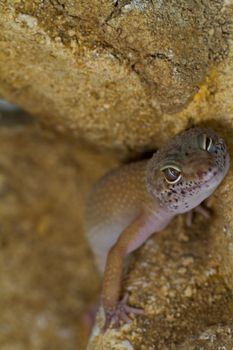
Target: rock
110 70
222 233
47 274
214 337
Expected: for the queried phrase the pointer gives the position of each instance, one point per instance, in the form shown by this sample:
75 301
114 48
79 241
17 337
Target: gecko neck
160 216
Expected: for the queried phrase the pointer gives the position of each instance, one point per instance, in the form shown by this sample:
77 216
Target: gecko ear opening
172 174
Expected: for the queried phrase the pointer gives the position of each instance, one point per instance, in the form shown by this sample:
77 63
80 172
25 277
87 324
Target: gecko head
188 169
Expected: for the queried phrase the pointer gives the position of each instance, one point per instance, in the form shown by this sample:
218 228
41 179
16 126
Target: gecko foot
199 209
120 313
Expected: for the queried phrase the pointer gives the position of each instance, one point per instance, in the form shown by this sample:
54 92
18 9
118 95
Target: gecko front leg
200 209
129 240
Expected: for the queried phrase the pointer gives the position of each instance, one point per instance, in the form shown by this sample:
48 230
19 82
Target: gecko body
131 203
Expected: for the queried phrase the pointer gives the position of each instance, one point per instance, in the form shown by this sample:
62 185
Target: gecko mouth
214 177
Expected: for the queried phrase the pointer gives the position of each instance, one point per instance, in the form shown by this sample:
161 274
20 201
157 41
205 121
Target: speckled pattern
201 171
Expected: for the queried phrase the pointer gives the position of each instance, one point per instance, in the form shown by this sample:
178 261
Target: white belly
102 236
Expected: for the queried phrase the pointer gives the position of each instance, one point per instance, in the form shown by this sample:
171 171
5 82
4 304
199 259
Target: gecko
134 201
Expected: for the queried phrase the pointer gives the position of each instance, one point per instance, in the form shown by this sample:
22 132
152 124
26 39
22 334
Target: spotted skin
202 171
131 203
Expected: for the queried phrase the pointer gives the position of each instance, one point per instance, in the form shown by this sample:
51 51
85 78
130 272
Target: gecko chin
187 170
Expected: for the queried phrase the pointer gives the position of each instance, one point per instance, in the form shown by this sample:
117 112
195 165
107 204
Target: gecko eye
172 174
206 143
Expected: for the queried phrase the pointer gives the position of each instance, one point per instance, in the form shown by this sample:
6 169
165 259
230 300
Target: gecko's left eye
171 173
206 143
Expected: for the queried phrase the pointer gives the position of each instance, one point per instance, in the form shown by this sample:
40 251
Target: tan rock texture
46 271
109 69
126 75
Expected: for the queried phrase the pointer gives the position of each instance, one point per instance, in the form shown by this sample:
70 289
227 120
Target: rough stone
107 69
46 272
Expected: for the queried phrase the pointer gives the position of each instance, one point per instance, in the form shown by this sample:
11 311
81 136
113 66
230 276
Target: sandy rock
47 275
110 70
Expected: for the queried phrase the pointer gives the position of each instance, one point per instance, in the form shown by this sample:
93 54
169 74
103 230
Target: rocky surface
46 270
126 75
110 69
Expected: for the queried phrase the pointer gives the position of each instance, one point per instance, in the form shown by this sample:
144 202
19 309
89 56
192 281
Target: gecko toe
200 209
121 314
133 310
